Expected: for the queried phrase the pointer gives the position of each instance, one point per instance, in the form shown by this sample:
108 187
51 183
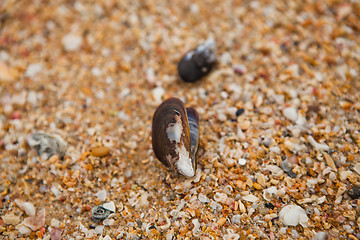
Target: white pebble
236 219
33 69
320 236
157 93
109 206
26 207
99 229
71 42
194 8
101 195
109 222
96 71
55 223
290 113
107 237
225 58
242 161
292 215
32 98
250 198
276 150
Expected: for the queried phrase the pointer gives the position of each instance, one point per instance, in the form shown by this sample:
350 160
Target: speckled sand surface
92 73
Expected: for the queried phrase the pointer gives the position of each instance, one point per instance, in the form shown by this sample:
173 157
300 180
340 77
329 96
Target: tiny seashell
46 145
198 62
100 213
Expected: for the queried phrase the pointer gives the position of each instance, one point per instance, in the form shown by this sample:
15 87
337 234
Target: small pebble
55 233
33 69
239 69
290 113
261 179
242 161
221 221
257 186
71 42
101 195
157 93
239 111
354 192
250 198
321 236
286 166
100 151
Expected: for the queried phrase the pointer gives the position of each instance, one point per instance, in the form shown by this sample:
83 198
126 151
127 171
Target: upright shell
171 137
198 62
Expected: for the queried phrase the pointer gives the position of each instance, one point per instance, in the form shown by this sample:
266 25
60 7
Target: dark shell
193 118
198 62
171 135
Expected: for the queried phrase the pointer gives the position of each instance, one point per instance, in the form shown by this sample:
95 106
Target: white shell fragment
33 69
270 193
11 219
292 215
27 207
318 146
250 198
109 206
101 195
36 222
24 230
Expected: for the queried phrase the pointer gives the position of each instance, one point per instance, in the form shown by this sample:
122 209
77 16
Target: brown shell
168 113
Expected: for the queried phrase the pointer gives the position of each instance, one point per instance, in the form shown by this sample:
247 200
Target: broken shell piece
198 62
26 206
110 206
24 230
46 145
175 136
292 215
36 222
270 193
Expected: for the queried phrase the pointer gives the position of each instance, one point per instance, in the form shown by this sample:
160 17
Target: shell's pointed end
185 168
184 164
208 49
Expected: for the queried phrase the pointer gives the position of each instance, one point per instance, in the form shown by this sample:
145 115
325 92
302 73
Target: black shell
198 62
171 112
